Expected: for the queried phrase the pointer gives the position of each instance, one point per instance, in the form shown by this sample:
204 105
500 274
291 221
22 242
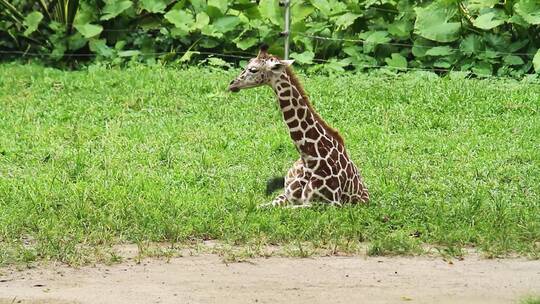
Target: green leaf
209 43
421 46
114 8
488 20
76 41
489 55
363 61
517 19
529 10
218 62
270 10
179 32
129 53
303 58
120 44
299 11
480 4
440 51
100 47
335 66
482 69
513 60
187 56
536 61
346 20
498 42
85 14
181 19
198 5
31 21
210 30
226 23
246 43
516 46
323 5
58 51
221 5
397 61
89 30
471 45
337 7
401 28
442 63
201 21
432 22
357 58
352 50
154 6
372 39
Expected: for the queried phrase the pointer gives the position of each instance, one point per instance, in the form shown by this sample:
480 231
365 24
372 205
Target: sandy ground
207 279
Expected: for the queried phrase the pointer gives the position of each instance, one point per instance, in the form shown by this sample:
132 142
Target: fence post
287 31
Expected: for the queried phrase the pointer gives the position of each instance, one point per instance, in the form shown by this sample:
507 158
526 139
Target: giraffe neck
304 126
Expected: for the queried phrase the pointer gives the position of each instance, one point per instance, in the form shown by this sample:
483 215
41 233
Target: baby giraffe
324 171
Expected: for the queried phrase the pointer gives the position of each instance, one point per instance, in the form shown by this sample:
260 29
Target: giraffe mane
326 126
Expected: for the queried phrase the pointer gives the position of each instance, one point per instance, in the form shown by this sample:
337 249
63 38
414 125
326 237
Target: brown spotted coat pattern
324 171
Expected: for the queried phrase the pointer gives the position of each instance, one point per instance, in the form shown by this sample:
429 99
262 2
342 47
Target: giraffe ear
263 51
287 62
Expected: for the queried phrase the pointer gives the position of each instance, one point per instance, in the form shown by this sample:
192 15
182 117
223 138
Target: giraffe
324 171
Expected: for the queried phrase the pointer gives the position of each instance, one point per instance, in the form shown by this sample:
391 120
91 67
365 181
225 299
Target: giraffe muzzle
233 86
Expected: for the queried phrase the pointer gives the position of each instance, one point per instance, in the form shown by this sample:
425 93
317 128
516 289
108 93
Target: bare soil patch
206 278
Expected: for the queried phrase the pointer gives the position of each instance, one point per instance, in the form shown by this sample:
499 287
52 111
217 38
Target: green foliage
489 20
305 57
529 10
536 61
89 30
486 37
114 8
432 22
397 61
92 157
31 22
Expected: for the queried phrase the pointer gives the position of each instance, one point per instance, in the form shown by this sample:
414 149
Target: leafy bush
486 37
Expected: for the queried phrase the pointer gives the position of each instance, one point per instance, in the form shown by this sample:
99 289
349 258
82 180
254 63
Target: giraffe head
260 70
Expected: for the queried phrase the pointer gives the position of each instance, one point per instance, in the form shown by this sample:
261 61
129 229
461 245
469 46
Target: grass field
89 159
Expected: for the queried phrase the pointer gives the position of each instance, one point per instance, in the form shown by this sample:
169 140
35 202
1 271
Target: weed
530 300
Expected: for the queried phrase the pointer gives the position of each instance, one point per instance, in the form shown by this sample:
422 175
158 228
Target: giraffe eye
253 70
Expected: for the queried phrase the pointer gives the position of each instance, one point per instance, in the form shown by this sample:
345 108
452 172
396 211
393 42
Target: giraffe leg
304 205
304 201
336 204
326 190
293 186
280 200
307 193
336 199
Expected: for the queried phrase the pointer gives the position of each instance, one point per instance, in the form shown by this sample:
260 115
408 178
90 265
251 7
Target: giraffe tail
274 183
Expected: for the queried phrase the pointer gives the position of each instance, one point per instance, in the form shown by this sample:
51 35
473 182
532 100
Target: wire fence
213 54
317 60
315 37
154 54
251 55
287 33
363 41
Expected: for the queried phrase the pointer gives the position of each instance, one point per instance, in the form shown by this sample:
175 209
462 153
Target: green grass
530 300
92 158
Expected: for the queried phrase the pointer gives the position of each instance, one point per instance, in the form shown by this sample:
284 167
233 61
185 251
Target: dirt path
206 279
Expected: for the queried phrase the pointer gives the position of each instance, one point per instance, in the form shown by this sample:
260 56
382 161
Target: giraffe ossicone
324 171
